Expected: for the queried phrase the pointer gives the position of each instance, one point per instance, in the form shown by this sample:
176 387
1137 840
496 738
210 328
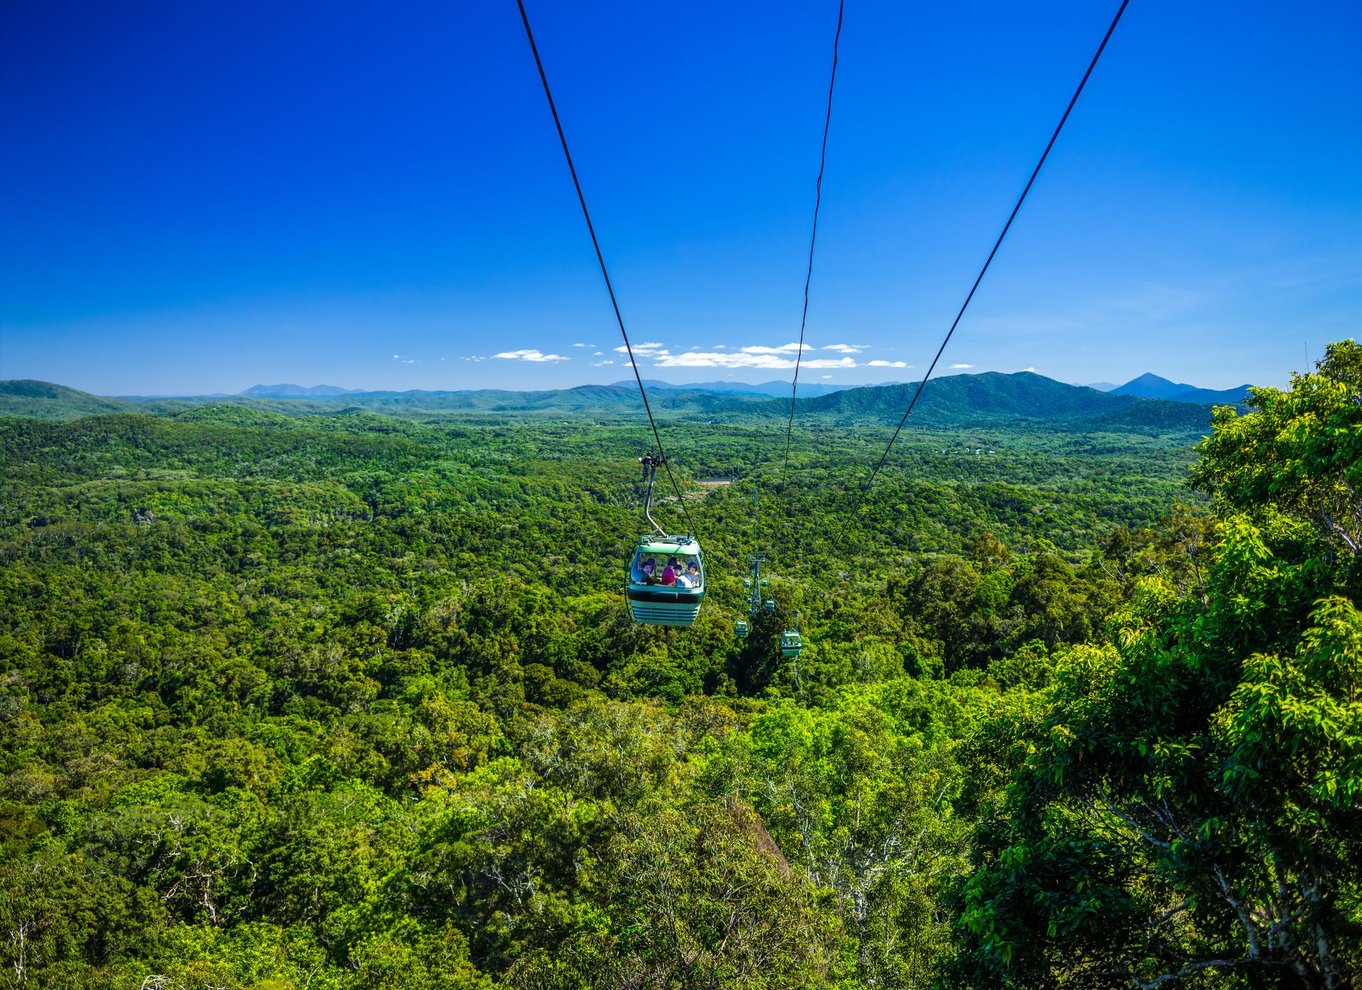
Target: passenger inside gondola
681 571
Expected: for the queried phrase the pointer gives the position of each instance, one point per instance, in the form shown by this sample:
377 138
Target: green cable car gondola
741 629
666 573
666 581
790 643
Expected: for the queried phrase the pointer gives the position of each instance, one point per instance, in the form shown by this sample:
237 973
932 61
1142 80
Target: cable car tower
758 602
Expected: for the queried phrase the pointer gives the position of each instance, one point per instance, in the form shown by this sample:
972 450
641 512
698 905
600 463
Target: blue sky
197 199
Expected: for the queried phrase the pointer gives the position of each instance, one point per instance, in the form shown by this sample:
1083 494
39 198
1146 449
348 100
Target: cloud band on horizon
529 354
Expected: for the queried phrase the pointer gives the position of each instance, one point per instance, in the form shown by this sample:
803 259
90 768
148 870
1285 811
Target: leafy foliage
296 694
1185 808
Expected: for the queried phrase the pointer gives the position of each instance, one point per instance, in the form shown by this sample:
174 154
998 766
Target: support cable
997 244
813 238
600 258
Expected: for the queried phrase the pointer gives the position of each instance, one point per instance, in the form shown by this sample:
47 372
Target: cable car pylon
756 601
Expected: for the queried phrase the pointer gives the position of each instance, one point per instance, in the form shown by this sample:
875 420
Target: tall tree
1189 807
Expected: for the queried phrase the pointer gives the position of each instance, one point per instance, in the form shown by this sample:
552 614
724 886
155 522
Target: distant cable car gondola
790 643
740 629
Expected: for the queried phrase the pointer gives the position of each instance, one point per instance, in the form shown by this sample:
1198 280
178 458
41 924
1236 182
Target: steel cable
996 245
600 258
813 238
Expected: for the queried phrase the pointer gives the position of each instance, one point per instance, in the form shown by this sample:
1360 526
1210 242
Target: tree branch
1189 969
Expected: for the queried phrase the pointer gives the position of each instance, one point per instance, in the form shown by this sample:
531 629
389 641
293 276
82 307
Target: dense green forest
301 695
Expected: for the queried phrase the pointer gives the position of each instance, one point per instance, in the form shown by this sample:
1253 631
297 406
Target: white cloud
789 348
475 357
886 364
1032 370
824 376
776 358
597 353
745 358
404 360
846 348
529 354
961 367
601 364
583 345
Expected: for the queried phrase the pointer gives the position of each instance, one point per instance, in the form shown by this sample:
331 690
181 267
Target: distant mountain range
297 391
1147 386
742 388
974 400
1150 386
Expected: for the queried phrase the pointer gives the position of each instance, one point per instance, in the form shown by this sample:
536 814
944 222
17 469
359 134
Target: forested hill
43 400
600 400
950 401
988 397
